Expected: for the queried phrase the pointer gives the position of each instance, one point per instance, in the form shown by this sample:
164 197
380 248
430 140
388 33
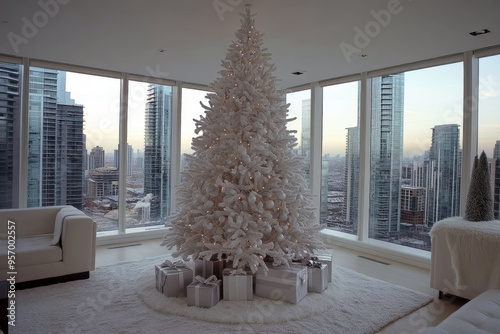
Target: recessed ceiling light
161 50
479 32
298 73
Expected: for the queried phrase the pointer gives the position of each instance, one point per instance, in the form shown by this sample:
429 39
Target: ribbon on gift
239 271
177 265
212 280
314 264
174 265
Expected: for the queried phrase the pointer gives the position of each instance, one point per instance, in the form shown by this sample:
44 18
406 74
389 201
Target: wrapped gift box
204 292
328 260
206 268
237 284
282 283
323 258
172 279
317 277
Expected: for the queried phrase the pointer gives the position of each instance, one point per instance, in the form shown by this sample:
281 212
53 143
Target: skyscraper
96 158
351 177
386 154
116 159
443 170
55 162
9 122
157 161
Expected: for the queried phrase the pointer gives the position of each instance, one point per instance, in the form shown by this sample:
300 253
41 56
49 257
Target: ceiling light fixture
479 32
298 73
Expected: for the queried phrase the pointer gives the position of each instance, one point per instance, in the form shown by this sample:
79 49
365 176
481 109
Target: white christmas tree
244 196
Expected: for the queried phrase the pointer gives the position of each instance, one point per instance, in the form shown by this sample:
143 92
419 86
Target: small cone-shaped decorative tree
479 206
245 196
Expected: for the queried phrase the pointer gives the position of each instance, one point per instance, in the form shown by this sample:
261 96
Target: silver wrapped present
323 258
237 284
282 283
172 279
204 292
206 268
317 277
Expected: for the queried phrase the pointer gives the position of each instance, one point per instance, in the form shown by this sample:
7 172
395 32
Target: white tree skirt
116 298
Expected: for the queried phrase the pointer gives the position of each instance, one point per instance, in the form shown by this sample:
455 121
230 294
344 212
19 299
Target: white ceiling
302 35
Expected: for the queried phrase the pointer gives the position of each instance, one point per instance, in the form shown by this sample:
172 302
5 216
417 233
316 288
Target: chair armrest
78 242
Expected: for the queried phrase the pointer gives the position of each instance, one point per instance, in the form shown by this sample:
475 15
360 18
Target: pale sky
433 96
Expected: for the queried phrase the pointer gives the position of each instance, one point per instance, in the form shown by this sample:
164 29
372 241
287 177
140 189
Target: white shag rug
120 298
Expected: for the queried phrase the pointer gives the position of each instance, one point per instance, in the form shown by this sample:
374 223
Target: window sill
404 254
130 235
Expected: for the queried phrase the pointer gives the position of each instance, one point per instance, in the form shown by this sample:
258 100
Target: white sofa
464 257
481 315
52 245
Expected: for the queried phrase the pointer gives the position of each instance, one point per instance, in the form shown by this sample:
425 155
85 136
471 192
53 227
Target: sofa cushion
32 250
481 315
63 213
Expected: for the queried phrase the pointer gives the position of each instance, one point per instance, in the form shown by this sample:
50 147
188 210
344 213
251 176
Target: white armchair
52 245
465 257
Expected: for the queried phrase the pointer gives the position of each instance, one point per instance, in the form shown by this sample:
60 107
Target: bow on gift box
174 265
313 263
239 271
211 280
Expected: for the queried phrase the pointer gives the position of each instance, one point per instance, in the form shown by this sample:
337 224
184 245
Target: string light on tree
244 194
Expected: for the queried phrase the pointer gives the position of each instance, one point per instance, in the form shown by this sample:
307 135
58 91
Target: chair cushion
32 250
64 212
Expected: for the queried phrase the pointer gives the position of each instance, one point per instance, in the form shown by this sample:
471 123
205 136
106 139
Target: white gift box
237 284
317 278
282 283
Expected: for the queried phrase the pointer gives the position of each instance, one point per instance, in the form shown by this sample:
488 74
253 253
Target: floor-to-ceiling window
489 122
416 153
72 135
10 112
340 161
191 109
149 158
300 109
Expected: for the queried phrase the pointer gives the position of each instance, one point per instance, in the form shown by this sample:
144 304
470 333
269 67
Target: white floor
393 272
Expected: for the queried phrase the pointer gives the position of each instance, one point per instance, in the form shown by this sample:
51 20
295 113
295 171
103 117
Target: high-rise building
351 177
116 158
496 192
10 112
386 154
412 205
102 182
157 161
443 170
96 158
55 162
